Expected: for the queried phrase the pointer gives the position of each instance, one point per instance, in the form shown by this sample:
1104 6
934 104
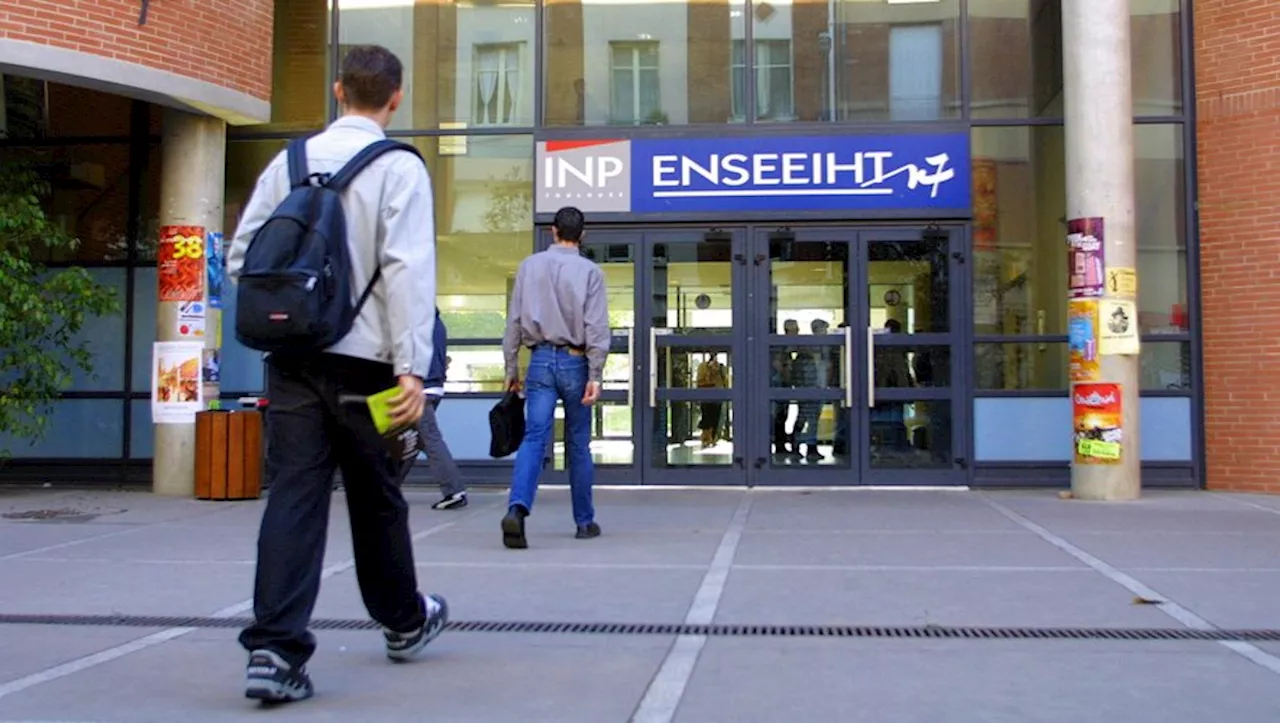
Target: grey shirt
390 223
558 298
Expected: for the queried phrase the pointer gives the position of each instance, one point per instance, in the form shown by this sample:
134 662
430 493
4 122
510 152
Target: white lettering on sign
862 173
594 171
1094 399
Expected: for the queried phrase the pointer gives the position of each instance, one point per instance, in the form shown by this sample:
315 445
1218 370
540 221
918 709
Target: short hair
370 75
568 224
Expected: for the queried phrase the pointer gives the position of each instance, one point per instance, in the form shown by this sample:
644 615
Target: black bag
506 425
295 289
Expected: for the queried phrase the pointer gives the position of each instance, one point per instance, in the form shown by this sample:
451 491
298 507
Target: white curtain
487 77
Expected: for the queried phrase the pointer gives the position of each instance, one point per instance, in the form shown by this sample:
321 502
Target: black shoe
588 531
271 680
455 501
402 647
513 528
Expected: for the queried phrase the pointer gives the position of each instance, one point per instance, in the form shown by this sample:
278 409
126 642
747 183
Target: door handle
631 376
871 366
653 366
848 367
760 462
738 461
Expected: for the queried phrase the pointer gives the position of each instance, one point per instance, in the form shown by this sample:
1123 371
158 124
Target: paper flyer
1096 421
176 389
1086 265
180 269
1082 340
1118 331
217 268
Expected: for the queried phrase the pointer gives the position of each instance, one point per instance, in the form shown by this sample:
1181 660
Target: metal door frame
650 341
760 453
608 473
958 301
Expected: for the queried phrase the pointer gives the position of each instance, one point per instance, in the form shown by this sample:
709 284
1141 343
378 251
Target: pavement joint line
1168 607
1247 503
663 695
105 656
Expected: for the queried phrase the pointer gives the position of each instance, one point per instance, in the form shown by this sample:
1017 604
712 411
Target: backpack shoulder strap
297 154
347 173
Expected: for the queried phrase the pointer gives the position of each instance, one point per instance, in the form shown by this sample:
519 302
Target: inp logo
593 175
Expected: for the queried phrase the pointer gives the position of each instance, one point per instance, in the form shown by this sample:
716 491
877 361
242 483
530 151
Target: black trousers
310 434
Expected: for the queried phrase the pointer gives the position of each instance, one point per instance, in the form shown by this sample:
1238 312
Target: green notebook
380 409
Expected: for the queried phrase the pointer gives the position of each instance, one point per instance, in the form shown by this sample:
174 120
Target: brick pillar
563 101
708 85
300 70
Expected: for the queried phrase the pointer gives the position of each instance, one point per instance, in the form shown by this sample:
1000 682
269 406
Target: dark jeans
310 434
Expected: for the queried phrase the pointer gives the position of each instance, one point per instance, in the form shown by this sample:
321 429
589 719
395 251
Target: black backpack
295 288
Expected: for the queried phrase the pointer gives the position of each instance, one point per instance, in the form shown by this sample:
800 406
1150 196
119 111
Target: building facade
856 208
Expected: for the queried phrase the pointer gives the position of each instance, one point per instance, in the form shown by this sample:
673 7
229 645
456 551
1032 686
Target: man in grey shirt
559 310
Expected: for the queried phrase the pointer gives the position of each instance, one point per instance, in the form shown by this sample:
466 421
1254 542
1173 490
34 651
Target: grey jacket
390 220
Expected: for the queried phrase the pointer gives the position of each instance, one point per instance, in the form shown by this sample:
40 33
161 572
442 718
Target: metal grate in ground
671 629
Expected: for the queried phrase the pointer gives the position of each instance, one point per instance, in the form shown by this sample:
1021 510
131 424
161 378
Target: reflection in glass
1156 48
616 260
1166 366
871 61
903 367
692 286
1016 58
910 435
612 440
467 64
681 431
909 285
1023 366
1019 275
809 285
806 367
638 63
694 368
301 79
809 432
476 368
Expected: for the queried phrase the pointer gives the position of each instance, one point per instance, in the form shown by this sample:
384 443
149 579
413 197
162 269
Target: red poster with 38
180 268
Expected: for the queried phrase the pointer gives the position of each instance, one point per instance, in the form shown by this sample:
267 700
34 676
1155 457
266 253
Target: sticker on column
1086 266
211 375
217 268
1082 340
191 320
180 268
1096 423
176 389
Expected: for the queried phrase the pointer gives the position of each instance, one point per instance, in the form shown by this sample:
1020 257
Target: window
635 97
497 84
774 99
915 72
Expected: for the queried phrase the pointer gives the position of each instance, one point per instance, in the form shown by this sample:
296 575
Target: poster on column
1082 340
1118 330
1096 422
1086 260
180 271
217 268
176 389
211 376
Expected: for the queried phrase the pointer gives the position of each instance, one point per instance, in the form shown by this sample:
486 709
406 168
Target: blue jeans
555 374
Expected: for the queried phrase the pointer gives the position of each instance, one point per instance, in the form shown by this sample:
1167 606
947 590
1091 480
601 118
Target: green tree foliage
41 310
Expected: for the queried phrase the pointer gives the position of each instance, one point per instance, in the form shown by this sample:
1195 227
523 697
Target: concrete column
192 173
1100 186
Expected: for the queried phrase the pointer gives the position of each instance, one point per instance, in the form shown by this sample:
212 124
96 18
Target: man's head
567 225
369 83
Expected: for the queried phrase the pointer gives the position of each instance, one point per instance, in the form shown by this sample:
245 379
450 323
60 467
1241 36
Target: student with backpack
440 464
334 262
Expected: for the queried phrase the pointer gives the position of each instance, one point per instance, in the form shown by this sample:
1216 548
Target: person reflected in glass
711 375
559 310
784 442
892 372
812 370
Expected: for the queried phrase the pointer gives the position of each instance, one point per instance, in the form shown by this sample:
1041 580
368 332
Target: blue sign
801 173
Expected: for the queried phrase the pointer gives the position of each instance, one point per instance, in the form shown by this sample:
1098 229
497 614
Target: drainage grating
671 629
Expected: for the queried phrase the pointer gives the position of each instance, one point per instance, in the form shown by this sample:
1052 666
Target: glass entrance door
910 314
852 333
692 310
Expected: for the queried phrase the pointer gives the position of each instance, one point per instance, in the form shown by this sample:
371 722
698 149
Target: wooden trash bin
229 454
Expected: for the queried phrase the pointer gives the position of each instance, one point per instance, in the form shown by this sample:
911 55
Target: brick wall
225 42
1237 55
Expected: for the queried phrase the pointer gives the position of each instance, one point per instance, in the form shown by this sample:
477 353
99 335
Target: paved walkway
838 558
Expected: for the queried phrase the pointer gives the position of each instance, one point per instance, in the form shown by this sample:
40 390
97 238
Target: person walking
310 431
440 464
559 310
